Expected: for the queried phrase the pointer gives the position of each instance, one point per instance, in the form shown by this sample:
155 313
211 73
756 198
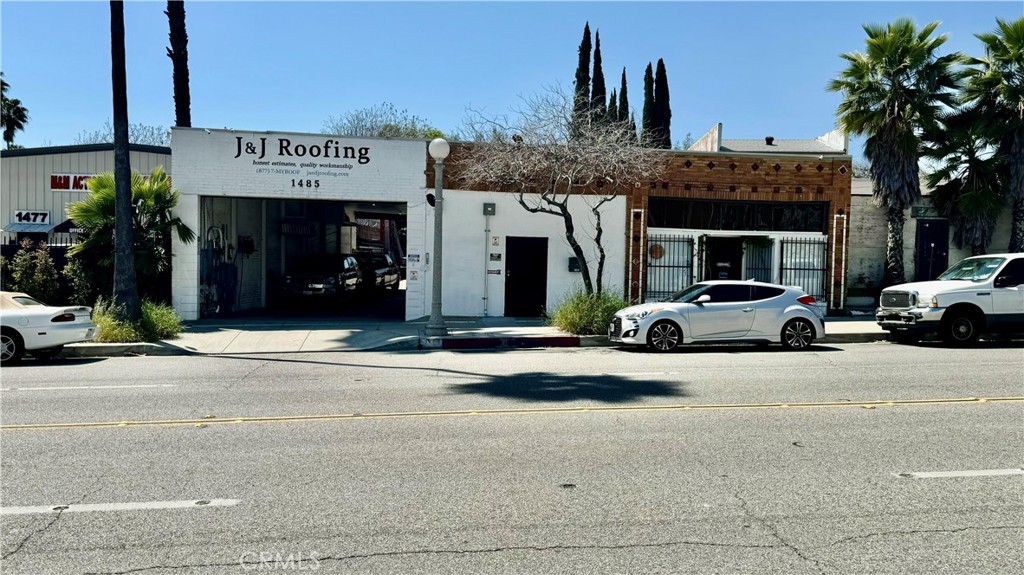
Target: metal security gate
669 265
804 263
759 258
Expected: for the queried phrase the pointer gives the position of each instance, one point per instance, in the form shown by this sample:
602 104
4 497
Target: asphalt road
712 460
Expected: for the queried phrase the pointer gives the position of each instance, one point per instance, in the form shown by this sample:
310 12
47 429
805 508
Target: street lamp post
439 150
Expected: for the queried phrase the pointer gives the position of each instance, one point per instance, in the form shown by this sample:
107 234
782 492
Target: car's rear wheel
961 328
797 334
664 336
48 353
12 348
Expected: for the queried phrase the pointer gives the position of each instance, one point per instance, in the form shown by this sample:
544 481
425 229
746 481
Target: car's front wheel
11 346
797 334
664 336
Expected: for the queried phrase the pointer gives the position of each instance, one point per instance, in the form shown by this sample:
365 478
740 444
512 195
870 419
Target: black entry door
526 276
932 249
723 259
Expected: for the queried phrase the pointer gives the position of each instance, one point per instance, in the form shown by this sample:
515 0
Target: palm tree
14 114
996 82
154 200
126 293
178 53
966 184
890 94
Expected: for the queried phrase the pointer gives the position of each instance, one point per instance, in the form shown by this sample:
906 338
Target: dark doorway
932 249
526 276
723 259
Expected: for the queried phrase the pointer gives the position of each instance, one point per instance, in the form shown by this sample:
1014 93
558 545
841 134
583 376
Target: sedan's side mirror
703 299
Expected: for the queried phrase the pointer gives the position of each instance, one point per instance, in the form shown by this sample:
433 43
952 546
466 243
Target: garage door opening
309 258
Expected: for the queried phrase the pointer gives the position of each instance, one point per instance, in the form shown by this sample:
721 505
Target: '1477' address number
27 217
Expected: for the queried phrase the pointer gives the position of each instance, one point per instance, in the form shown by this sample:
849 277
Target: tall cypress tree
581 100
612 116
598 93
623 100
649 119
662 110
632 126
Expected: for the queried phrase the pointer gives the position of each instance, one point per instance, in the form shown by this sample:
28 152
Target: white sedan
28 325
723 311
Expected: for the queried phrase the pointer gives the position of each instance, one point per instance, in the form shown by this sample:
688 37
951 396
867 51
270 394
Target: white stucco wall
467 249
241 164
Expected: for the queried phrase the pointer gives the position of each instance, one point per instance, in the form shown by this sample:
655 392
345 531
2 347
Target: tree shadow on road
542 386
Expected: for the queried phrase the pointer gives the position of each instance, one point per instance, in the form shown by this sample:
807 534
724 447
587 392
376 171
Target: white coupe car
723 311
28 325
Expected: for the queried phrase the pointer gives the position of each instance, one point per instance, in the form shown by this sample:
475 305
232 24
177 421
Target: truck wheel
961 329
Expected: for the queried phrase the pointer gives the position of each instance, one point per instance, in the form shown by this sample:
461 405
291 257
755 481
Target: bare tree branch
545 156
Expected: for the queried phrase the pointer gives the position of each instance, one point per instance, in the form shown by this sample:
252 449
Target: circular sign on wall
656 252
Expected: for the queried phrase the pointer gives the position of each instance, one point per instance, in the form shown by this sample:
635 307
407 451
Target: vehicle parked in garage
379 270
980 294
723 311
332 276
29 325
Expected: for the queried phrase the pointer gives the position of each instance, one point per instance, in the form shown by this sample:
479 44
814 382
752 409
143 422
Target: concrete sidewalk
272 335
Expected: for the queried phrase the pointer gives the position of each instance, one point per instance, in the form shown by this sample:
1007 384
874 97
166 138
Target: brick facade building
772 210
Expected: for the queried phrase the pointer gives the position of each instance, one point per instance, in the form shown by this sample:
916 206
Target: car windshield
973 269
688 294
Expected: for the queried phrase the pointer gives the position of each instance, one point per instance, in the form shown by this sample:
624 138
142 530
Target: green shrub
587 314
158 322
79 282
32 271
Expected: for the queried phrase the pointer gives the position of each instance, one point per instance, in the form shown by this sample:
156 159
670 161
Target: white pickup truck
981 294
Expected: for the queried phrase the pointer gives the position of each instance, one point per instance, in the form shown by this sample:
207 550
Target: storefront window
749 216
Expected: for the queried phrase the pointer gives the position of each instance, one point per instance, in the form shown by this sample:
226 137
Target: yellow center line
510 411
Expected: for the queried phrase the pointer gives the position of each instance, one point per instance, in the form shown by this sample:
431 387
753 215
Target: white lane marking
84 387
975 473
137 506
640 373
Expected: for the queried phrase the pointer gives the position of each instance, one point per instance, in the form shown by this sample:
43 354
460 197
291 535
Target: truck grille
898 299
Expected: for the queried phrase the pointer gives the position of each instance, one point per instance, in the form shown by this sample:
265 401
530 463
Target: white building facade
261 201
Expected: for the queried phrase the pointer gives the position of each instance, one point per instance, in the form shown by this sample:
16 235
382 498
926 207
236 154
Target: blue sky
760 68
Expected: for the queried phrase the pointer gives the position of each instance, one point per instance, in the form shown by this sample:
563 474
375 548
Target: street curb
503 342
854 337
413 343
123 350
